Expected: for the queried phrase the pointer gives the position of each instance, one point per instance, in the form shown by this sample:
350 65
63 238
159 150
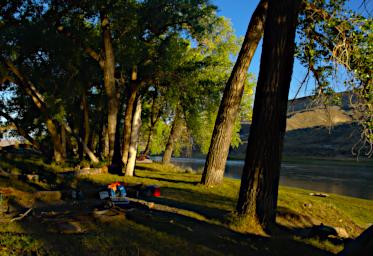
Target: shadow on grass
151 232
157 173
171 180
303 228
204 204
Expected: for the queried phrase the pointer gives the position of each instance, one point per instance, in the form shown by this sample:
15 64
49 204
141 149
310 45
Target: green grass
180 186
191 219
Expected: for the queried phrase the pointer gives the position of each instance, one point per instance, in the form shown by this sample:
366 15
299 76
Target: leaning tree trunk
221 138
132 152
128 116
39 102
257 201
174 134
21 131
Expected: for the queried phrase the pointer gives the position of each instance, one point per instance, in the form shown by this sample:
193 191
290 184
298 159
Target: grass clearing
190 219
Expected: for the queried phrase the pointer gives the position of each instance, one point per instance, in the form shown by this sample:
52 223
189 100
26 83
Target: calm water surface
318 175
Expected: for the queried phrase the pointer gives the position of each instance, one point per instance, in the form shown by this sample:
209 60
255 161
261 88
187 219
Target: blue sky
240 11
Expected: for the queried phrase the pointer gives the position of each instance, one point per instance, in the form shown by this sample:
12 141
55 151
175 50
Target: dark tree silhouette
259 185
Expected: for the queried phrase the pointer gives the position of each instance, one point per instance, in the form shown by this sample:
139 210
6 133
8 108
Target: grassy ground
188 219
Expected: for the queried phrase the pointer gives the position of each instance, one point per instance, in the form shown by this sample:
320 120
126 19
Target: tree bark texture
84 127
92 141
64 142
58 154
148 141
116 162
103 148
174 134
85 118
128 120
109 83
135 131
259 184
221 138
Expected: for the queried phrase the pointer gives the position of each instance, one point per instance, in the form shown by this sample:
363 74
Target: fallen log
21 216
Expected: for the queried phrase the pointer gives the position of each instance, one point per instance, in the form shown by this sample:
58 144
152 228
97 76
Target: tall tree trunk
106 141
85 118
117 164
63 142
58 154
259 184
174 134
128 116
92 141
135 130
103 148
84 127
154 117
107 64
89 153
148 141
221 138
109 83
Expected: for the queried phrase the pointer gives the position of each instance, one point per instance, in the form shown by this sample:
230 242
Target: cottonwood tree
257 202
221 138
104 21
24 53
196 82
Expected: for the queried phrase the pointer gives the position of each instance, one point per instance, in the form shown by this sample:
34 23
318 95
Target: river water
335 177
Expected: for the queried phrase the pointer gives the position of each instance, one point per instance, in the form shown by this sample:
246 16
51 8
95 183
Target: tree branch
20 130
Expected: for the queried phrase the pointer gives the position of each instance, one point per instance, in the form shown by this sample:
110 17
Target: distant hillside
314 129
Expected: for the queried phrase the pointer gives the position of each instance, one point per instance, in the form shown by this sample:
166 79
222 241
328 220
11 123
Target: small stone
341 232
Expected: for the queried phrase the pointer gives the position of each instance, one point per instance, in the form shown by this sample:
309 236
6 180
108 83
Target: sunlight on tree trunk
221 138
132 152
128 115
